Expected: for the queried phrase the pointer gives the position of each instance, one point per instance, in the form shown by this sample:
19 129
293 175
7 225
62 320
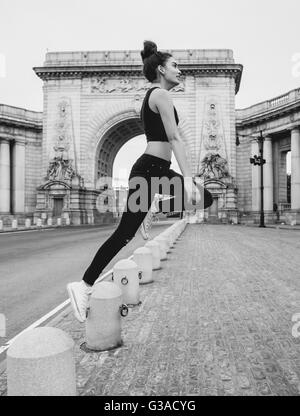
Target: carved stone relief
109 85
213 166
212 157
61 164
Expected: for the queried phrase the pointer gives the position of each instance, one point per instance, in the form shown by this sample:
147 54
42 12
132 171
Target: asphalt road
35 267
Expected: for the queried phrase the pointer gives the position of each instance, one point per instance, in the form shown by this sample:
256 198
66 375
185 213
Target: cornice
79 72
268 115
17 123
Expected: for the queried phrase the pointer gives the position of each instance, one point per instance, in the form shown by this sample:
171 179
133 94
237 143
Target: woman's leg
178 203
126 230
128 226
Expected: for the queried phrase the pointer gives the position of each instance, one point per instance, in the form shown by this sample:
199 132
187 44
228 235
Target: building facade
59 162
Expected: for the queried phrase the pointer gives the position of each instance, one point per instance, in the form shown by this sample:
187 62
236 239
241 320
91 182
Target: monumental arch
51 163
92 103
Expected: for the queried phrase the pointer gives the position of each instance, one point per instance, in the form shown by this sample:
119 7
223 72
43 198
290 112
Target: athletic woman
160 119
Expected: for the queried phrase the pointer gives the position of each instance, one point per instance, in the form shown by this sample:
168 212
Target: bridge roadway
216 321
35 267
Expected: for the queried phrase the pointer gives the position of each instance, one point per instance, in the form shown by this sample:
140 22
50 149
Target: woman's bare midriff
159 149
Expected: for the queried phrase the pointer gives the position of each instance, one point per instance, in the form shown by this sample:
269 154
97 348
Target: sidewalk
216 321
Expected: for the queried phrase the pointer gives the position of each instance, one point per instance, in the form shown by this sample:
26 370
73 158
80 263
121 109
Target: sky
263 34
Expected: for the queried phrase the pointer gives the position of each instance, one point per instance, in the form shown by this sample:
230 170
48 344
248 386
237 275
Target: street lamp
260 161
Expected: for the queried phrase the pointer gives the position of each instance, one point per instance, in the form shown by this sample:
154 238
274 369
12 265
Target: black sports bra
152 122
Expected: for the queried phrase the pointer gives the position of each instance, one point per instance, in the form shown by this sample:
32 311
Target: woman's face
172 72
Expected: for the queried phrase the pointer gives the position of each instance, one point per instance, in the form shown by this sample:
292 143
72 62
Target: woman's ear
161 69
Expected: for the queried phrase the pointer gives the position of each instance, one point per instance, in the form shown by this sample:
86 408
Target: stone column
18 157
255 179
295 169
268 175
4 176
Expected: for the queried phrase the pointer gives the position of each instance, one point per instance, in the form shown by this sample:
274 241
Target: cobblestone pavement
216 321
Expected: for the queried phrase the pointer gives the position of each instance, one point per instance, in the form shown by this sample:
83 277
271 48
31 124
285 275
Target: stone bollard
40 362
172 237
163 247
155 251
143 258
68 222
166 235
125 275
58 222
49 221
14 224
103 323
39 222
1 224
28 223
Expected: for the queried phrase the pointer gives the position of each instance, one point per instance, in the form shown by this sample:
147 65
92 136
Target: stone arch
111 129
100 127
111 139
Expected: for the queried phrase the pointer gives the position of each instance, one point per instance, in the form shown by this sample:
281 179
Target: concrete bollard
39 222
40 362
125 275
173 236
58 222
14 224
1 224
163 247
28 223
143 258
155 251
168 239
49 222
103 323
68 222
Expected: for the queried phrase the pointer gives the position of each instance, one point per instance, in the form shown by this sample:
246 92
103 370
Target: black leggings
150 169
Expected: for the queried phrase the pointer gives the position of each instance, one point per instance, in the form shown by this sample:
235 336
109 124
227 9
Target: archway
111 142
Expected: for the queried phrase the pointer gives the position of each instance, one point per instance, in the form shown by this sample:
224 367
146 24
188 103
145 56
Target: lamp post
260 161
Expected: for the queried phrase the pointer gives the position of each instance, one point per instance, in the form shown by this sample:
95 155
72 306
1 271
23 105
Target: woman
160 120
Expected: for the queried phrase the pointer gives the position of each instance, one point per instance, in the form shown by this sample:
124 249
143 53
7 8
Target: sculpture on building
107 85
213 166
212 139
61 165
60 169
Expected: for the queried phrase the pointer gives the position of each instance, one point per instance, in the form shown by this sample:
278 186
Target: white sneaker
79 295
146 225
143 229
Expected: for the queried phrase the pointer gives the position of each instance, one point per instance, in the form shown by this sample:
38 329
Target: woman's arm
165 107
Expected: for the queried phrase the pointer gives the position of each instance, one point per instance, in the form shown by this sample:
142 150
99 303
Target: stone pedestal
79 204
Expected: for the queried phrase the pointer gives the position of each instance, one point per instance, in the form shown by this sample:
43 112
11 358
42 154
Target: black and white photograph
149 201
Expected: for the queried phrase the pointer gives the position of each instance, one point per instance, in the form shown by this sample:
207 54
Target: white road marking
27 231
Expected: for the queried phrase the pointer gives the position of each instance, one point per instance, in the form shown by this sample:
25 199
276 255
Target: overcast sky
263 34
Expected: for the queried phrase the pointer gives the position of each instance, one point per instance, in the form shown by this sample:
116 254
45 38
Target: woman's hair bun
149 49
